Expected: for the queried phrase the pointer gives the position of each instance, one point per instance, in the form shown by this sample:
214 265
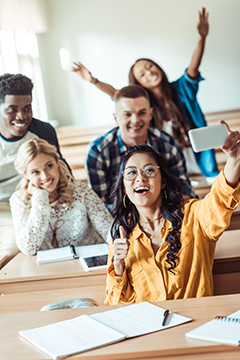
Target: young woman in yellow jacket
163 248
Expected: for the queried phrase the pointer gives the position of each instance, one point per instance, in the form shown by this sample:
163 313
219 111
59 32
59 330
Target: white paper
139 319
91 250
65 253
91 331
219 330
71 337
54 255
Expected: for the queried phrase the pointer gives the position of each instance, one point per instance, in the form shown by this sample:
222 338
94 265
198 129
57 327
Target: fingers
120 249
31 188
121 245
232 142
77 66
122 232
224 122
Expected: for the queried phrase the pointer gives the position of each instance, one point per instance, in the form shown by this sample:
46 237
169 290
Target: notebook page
219 330
71 337
139 319
52 255
91 250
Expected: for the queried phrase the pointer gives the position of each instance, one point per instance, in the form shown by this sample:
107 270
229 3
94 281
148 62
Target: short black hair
14 84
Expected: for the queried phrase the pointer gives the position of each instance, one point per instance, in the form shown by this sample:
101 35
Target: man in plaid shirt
133 116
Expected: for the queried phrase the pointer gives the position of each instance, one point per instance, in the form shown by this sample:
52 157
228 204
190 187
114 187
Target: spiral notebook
224 330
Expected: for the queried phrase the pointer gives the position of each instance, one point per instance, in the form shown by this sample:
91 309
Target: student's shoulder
160 135
104 141
41 128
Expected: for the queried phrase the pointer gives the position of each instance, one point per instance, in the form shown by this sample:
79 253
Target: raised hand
232 144
82 71
120 251
203 25
232 149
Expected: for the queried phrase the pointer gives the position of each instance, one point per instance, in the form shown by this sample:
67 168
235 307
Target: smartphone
208 137
94 262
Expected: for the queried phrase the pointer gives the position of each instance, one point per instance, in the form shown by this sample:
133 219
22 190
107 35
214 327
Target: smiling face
133 117
43 172
15 115
143 191
147 74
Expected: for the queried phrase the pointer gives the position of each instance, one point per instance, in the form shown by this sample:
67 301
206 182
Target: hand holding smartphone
209 137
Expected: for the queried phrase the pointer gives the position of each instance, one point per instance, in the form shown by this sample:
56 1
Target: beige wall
109 35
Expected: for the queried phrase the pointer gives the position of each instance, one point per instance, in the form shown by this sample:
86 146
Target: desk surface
170 343
23 274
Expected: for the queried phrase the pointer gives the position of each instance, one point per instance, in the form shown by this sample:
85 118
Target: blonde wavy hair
26 153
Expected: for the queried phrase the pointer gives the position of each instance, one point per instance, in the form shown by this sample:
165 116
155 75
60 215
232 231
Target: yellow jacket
145 277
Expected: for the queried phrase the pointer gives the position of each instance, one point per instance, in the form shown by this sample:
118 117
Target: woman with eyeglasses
50 209
163 248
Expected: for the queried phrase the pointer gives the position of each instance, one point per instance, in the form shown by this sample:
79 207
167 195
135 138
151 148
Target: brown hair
27 152
179 124
132 92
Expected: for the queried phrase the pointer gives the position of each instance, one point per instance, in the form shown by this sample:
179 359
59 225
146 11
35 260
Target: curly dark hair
14 84
179 125
171 206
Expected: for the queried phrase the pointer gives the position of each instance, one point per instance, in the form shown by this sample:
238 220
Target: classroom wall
108 36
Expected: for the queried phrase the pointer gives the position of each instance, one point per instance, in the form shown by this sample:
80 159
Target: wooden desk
23 274
34 301
226 269
167 344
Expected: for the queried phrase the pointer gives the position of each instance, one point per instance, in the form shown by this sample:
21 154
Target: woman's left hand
203 25
232 149
232 144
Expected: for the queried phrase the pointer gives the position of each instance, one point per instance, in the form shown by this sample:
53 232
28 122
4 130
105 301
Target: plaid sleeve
97 176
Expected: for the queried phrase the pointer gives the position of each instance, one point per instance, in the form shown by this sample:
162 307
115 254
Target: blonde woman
50 209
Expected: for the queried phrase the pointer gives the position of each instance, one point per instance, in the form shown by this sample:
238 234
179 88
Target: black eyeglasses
131 172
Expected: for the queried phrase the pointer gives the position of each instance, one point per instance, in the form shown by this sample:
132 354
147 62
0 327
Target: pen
73 251
165 316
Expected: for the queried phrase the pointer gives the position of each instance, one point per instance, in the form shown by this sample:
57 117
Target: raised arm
232 149
202 27
86 75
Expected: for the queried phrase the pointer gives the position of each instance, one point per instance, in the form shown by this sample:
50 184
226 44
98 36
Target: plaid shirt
104 158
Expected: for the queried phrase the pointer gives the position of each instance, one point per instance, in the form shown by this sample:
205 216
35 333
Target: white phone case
208 137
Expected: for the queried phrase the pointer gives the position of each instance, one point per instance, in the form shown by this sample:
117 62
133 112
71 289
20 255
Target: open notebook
88 332
224 330
71 252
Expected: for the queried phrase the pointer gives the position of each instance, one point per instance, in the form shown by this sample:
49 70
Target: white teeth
48 183
142 188
20 125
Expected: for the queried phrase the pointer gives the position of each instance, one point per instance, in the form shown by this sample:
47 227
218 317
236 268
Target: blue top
187 89
104 158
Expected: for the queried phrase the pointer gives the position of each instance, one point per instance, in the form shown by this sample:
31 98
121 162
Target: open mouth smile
141 190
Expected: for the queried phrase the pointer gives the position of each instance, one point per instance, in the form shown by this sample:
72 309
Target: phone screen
94 261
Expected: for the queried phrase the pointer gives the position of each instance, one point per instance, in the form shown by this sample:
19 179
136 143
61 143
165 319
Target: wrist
94 81
119 267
